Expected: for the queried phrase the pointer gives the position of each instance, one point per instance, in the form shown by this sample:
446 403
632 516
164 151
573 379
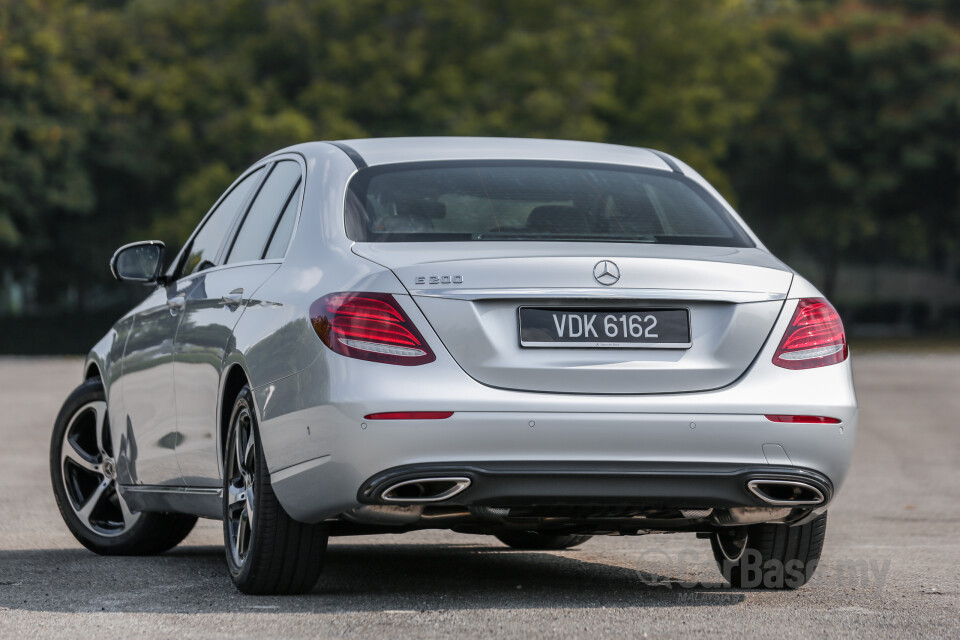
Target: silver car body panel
148 404
704 405
204 335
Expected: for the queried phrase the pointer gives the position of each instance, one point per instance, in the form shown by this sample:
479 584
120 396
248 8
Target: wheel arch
234 378
92 370
103 355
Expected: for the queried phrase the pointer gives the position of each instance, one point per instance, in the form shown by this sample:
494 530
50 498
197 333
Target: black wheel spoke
71 452
93 500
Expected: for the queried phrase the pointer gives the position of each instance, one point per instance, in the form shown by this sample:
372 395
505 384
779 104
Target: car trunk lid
470 293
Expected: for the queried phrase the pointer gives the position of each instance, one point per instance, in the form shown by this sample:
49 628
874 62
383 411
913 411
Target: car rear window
477 201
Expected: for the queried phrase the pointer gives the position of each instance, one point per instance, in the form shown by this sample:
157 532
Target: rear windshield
477 201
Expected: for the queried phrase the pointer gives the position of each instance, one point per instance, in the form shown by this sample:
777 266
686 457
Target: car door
147 437
213 308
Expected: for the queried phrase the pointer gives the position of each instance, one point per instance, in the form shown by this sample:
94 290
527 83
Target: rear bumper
321 449
699 460
637 484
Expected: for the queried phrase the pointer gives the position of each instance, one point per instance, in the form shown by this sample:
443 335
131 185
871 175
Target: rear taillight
815 337
369 326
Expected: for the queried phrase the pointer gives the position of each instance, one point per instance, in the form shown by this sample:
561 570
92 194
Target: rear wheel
83 468
268 552
772 556
538 541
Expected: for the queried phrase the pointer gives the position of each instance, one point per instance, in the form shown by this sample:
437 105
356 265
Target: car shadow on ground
356 578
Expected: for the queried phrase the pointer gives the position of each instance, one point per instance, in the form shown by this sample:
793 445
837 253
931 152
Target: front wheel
83 468
772 556
537 541
268 552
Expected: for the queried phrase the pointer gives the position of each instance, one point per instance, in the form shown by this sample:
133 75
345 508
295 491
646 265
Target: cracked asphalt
889 567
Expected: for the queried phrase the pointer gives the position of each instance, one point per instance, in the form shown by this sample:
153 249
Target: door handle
233 299
176 304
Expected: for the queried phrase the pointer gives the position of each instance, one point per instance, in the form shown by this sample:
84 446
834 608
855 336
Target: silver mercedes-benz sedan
537 340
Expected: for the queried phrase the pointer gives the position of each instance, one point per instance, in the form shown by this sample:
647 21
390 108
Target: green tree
45 117
676 75
76 160
121 118
853 154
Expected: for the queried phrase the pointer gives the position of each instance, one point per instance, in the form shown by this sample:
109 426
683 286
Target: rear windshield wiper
572 237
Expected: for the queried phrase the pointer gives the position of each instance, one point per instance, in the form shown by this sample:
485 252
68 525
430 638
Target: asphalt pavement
890 566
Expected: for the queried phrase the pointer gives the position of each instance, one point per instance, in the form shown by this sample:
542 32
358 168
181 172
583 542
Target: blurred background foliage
832 125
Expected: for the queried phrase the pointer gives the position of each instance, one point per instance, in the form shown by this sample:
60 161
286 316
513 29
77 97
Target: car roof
377 151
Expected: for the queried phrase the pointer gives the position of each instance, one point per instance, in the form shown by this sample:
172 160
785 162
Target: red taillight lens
369 326
803 419
409 415
815 337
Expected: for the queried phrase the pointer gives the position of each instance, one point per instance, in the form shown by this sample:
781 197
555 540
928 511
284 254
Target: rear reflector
369 326
815 337
409 415
803 419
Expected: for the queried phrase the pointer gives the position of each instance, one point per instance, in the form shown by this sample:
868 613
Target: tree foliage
119 119
123 118
853 154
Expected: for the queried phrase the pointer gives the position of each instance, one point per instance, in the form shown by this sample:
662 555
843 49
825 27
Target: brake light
369 326
815 337
409 415
803 419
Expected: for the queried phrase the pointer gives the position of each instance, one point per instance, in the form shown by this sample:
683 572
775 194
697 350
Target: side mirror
138 262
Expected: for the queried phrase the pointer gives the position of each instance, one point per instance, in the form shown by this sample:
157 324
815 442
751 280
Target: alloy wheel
241 489
89 471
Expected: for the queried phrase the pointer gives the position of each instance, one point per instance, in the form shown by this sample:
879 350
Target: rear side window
260 221
281 235
206 244
534 201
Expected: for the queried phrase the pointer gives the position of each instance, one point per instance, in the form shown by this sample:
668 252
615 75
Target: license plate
605 329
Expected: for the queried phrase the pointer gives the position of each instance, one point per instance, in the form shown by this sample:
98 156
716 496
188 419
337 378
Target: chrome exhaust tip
422 490
786 493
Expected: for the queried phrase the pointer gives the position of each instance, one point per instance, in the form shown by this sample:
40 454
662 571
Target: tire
277 554
83 471
771 556
537 541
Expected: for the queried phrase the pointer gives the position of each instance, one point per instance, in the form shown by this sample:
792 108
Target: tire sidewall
773 565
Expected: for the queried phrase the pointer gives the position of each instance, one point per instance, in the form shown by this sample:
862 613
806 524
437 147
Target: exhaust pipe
424 490
786 493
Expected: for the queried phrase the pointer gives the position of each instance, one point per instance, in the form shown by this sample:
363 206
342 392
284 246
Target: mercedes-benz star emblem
606 272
